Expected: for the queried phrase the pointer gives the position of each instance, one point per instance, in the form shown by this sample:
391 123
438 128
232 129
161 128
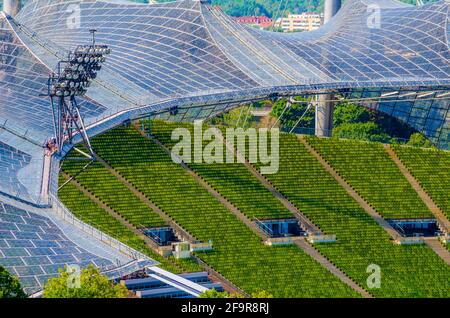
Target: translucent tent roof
406 44
25 115
35 244
190 55
186 52
186 47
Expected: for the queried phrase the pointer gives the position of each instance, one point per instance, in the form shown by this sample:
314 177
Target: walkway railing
264 227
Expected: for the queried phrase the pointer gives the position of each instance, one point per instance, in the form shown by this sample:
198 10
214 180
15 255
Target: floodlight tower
11 7
71 80
325 106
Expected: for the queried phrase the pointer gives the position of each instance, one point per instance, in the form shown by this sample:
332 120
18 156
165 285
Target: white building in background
307 21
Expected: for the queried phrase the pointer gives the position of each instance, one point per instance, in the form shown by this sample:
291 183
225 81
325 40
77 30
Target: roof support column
324 115
325 106
46 176
11 7
331 8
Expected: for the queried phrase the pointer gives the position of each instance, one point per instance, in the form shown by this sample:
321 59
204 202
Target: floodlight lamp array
74 76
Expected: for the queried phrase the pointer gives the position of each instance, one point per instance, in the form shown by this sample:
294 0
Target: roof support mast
325 104
11 7
331 8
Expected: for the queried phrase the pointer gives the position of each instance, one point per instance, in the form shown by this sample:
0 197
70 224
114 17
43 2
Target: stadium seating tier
431 168
407 271
238 253
367 167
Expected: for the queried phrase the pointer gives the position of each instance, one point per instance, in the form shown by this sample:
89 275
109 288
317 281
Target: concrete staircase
305 223
444 223
300 242
150 243
360 200
181 233
436 245
311 251
241 216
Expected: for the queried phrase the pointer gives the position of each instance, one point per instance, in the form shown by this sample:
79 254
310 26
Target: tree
419 140
92 284
213 293
10 285
361 131
293 114
262 294
229 118
269 8
350 114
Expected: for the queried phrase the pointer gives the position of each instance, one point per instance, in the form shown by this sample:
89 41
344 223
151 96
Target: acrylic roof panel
180 52
11 161
407 43
185 48
33 248
166 49
36 242
21 165
22 79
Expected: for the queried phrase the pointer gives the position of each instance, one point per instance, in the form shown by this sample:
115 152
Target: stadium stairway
351 191
367 167
89 212
433 243
407 270
182 233
238 253
248 172
415 189
430 167
150 243
348 254
180 230
298 241
99 199
306 224
442 219
241 216
438 247
325 262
